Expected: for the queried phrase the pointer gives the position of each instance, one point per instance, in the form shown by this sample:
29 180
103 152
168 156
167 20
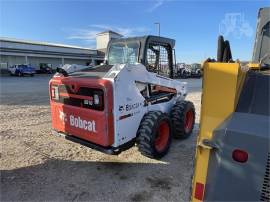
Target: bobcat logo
78 122
62 116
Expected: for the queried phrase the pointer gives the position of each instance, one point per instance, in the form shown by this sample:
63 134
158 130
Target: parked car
45 68
21 70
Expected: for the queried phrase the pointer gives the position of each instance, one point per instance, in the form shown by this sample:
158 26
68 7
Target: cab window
158 59
123 53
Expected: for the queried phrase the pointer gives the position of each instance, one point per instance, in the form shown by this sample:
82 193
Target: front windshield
123 53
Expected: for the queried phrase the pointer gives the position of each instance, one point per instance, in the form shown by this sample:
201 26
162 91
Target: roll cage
155 53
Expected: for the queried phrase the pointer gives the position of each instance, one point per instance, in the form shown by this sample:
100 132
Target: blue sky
195 25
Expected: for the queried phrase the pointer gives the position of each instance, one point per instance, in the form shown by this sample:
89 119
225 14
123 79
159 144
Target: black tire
220 49
181 111
31 75
150 141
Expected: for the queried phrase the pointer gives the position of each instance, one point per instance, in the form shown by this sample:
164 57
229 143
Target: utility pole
158 24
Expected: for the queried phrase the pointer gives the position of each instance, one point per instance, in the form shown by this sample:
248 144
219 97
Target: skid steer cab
131 98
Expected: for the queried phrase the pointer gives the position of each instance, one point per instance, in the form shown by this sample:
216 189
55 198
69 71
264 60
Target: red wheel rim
162 138
189 119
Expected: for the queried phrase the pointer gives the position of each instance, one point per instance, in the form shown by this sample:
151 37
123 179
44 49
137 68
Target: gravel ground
37 166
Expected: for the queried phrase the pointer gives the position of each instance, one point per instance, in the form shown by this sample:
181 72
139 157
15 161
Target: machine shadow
62 180
68 180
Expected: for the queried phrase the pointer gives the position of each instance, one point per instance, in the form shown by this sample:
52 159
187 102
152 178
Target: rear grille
67 99
86 91
265 192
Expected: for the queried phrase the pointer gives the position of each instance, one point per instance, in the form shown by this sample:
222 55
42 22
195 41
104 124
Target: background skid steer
132 98
232 157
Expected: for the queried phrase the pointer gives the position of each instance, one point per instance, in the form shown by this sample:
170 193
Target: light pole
157 23
158 67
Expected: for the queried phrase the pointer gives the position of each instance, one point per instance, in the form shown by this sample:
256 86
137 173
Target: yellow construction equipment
232 155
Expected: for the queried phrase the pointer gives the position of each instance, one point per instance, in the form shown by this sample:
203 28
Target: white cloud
83 34
156 4
125 31
89 34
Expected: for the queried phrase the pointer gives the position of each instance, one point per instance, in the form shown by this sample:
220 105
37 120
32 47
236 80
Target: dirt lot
37 166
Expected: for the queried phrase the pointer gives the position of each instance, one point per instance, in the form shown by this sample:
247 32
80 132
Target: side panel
219 98
128 109
129 104
255 97
228 179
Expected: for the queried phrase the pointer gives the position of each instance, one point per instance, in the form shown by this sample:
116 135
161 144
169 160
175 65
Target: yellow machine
232 155
218 102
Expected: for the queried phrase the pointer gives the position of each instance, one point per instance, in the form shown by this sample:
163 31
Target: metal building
36 54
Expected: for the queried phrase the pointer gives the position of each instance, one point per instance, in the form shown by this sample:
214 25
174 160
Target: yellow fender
222 83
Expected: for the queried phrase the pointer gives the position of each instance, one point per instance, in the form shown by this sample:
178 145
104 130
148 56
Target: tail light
240 155
96 99
55 93
199 191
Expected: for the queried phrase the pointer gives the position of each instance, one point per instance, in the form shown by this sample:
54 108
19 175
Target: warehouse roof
7 39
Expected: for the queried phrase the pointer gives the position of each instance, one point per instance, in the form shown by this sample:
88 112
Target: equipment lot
38 166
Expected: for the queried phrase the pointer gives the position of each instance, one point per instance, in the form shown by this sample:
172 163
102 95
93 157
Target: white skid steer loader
131 98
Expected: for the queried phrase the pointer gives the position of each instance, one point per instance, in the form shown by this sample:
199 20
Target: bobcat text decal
78 122
129 107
